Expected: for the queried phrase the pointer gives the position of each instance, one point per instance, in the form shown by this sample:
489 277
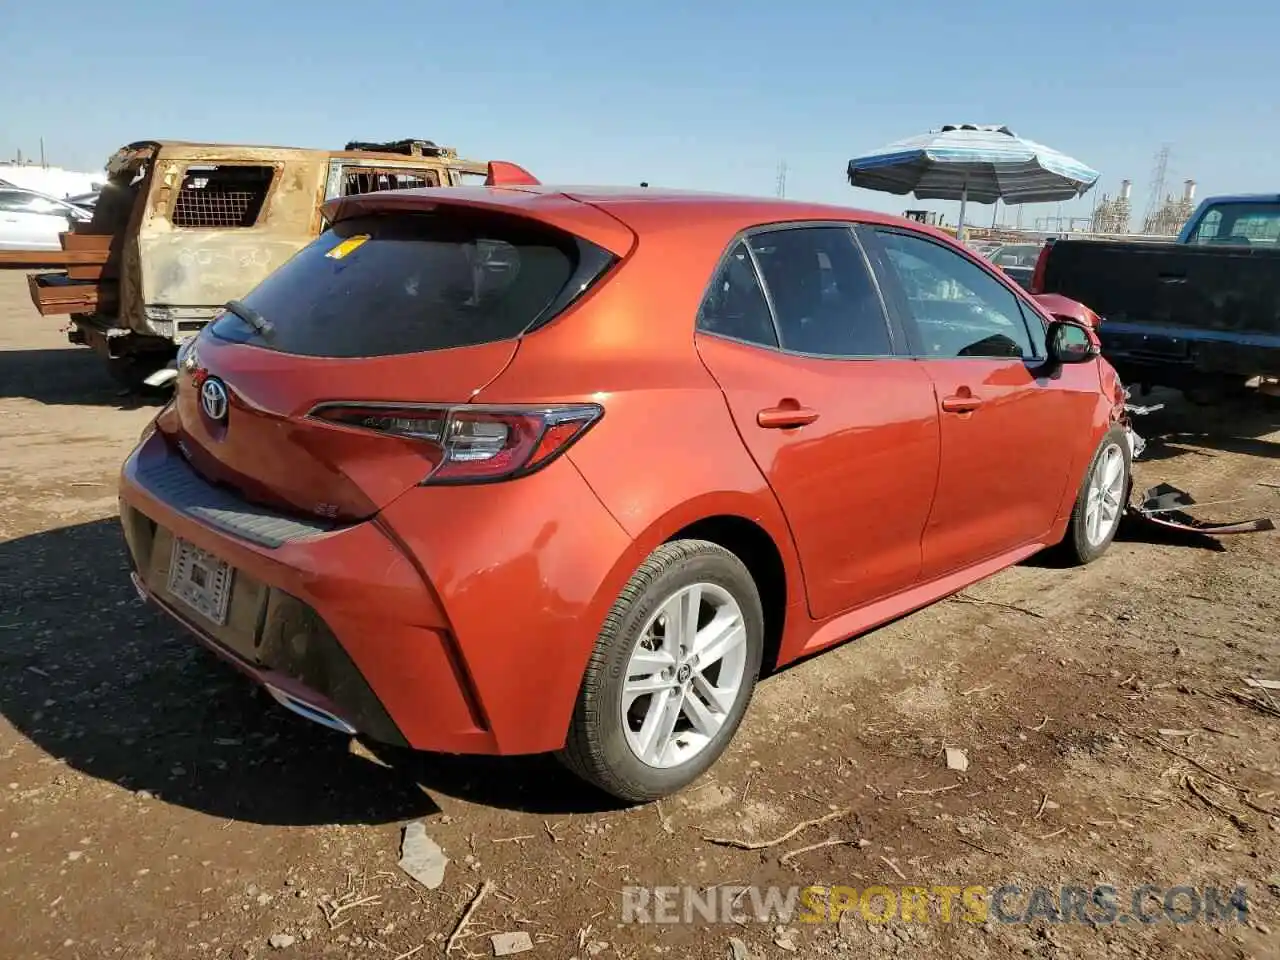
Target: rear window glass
1239 224
378 286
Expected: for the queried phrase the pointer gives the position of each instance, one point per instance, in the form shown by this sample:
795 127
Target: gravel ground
152 804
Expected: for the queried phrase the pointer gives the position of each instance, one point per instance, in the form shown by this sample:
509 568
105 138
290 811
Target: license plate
200 580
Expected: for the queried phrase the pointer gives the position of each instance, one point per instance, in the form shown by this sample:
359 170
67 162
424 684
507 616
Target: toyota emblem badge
213 399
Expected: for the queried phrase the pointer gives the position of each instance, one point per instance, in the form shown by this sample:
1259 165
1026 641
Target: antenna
782 179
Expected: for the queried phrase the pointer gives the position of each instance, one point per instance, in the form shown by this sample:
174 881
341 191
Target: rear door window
387 285
222 195
735 305
824 296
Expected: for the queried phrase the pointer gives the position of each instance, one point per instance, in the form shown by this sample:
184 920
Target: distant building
928 217
1167 219
1111 215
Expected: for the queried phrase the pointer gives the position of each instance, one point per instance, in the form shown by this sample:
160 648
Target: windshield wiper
250 316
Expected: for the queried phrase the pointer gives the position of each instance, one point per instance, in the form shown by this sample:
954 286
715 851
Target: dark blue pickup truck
1200 314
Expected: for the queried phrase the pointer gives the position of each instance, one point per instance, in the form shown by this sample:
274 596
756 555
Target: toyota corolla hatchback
520 469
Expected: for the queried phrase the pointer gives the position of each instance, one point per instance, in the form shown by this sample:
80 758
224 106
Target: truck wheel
1101 502
131 371
128 373
672 673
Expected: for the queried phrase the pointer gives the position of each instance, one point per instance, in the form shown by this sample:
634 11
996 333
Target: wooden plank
57 298
95 271
52 259
86 241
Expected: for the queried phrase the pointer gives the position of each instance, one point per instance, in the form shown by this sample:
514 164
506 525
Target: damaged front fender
1164 504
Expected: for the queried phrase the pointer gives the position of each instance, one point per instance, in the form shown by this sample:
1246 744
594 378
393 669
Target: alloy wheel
684 675
1106 492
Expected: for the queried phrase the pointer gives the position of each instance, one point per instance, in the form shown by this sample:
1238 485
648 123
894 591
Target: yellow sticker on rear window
346 246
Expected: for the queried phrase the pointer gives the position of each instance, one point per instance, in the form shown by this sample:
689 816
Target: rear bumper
1178 356
459 621
338 618
282 685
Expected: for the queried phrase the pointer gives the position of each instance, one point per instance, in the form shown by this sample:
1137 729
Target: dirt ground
152 804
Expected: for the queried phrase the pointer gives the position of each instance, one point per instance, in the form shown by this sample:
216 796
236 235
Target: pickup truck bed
1175 314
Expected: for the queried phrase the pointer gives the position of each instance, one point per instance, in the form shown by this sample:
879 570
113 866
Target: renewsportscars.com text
1093 905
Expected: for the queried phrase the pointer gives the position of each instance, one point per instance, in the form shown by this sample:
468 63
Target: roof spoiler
503 173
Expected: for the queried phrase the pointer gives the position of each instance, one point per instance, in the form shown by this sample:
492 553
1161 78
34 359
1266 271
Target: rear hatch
319 392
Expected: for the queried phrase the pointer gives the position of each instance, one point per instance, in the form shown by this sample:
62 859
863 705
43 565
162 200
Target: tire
1079 546
606 743
130 372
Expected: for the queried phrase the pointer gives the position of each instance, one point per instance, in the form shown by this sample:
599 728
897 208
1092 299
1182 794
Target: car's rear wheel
1101 501
671 675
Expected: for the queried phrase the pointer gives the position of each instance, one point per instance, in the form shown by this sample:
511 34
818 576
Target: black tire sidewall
707 563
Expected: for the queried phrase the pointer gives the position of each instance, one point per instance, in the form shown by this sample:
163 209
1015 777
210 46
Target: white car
32 221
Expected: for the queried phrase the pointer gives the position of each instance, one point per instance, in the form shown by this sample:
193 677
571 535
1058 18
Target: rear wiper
250 316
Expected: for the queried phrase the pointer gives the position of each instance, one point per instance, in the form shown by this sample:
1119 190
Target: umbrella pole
964 197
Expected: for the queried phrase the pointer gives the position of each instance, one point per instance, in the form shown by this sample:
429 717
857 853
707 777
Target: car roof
1242 198
642 210
16 188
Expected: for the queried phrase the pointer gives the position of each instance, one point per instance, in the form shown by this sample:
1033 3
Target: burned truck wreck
181 228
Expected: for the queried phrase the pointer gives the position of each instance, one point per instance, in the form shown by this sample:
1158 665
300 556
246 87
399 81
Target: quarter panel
524 571
666 453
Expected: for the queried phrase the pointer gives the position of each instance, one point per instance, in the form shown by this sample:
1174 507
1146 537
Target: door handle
961 403
784 415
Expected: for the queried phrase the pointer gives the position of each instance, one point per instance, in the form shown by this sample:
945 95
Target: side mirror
1070 342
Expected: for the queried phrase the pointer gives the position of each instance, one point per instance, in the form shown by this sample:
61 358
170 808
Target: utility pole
782 179
43 165
1156 197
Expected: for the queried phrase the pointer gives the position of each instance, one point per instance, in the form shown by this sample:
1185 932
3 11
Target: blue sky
708 95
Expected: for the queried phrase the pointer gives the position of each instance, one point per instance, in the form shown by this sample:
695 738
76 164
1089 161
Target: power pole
782 179
1156 197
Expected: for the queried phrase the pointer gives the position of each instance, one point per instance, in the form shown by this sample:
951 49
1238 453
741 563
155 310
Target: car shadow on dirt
116 691
1234 426
73 377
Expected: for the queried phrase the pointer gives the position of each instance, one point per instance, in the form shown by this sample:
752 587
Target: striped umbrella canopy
971 162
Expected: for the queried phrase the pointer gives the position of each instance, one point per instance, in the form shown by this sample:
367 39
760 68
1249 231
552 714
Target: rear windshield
1239 224
384 285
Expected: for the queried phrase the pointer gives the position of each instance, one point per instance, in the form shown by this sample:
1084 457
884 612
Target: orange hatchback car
505 470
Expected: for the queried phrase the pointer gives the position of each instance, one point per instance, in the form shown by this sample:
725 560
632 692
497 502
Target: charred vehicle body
181 228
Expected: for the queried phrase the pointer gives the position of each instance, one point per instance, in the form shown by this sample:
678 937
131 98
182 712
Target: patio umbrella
969 162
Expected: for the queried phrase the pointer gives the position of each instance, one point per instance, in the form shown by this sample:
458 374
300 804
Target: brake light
473 443
1037 275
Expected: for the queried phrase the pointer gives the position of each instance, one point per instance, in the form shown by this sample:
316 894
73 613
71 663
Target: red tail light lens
1037 275
474 443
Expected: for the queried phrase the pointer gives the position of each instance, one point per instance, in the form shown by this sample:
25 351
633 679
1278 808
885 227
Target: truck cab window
1239 224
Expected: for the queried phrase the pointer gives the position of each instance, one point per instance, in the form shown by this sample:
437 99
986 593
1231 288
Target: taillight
473 443
1037 275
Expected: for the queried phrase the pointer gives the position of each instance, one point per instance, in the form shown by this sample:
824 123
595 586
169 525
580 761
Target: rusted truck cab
181 228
